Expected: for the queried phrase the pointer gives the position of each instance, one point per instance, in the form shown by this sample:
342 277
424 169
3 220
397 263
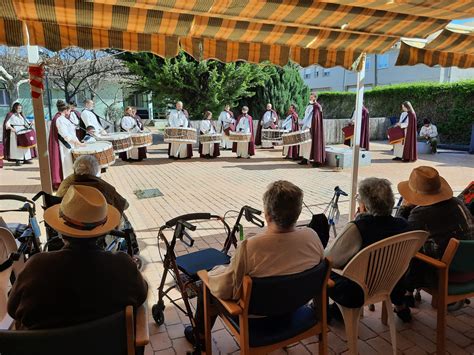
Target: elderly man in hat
429 205
80 282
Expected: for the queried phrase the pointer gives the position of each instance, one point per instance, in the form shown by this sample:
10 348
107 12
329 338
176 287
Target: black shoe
189 335
409 301
17 163
397 158
316 165
27 162
404 314
303 162
334 313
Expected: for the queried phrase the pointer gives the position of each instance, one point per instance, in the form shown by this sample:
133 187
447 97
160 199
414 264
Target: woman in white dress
208 150
67 140
15 122
225 124
131 123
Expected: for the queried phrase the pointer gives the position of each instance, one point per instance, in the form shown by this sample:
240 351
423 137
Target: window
382 61
4 98
367 63
326 72
307 74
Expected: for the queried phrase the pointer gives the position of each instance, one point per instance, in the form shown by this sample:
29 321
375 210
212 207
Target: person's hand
398 124
13 130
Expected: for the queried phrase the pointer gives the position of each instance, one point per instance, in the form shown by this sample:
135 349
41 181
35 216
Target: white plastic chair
377 269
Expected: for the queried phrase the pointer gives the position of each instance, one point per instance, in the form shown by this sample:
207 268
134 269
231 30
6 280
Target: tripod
332 209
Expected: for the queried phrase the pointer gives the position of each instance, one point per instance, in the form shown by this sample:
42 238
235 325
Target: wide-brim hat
83 213
425 187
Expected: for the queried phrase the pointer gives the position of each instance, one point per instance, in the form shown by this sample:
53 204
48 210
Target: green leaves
202 86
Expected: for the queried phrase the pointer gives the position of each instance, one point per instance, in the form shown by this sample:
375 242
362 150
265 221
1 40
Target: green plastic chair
457 258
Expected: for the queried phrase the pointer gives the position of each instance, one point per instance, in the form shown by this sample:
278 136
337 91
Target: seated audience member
282 249
90 135
87 172
428 204
80 282
429 134
373 223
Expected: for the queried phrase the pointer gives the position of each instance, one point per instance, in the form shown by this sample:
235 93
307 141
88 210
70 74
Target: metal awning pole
40 123
357 128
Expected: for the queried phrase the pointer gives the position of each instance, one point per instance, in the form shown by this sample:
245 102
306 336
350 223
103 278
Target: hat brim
419 199
51 217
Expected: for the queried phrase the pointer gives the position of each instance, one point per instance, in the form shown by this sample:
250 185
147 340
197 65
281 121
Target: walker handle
13 197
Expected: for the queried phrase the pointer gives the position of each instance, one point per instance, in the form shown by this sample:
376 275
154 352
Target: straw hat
425 187
83 213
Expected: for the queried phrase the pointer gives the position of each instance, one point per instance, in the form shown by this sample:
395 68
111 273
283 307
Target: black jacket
76 284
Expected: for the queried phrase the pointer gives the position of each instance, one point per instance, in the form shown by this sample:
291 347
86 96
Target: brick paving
227 183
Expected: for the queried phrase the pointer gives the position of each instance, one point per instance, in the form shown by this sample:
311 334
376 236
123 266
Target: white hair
86 165
377 196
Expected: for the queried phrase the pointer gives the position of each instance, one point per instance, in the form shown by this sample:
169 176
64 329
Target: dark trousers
350 295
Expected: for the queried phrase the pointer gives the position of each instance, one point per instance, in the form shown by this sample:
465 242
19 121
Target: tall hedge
449 106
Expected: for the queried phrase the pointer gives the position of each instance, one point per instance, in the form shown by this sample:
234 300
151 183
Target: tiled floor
227 184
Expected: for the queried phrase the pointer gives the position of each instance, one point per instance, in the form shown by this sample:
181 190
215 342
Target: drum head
92 148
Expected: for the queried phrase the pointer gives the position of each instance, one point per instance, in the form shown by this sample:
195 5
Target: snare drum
240 137
395 135
296 138
273 135
142 139
121 142
26 138
210 138
103 152
180 135
348 131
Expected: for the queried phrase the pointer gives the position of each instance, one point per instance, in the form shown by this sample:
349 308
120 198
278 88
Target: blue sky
460 22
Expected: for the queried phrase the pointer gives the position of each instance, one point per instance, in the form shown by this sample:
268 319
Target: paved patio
227 184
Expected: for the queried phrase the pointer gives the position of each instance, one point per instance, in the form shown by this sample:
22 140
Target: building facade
380 71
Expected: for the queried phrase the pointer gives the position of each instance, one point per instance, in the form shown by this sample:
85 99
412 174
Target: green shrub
449 106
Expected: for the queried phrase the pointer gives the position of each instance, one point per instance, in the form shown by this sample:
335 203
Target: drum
273 135
26 138
103 151
180 135
240 137
348 131
142 139
395 135
210 138
121 142
296 138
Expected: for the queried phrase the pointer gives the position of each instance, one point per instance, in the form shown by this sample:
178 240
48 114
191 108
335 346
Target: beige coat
267 255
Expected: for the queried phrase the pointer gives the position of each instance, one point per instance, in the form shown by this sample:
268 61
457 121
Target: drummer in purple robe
179 118
244 125
364 129
132 123
313 120
269 121
291 125
408 151
14 123
62 139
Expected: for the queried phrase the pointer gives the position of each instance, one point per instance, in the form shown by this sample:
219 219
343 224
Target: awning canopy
328 33
450 48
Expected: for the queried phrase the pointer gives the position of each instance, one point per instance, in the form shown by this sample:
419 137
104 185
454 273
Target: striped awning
329 33
448 49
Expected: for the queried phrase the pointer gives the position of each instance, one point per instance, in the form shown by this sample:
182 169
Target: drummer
14 122
65 136
291 124
225 124
208 150
269 121
132 123
90 135
90 118
244 125
179 118
313 120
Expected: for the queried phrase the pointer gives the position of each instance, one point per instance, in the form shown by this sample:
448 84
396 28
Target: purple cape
252 138
409 149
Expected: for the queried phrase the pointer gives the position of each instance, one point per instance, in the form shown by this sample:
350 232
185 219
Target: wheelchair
183 269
